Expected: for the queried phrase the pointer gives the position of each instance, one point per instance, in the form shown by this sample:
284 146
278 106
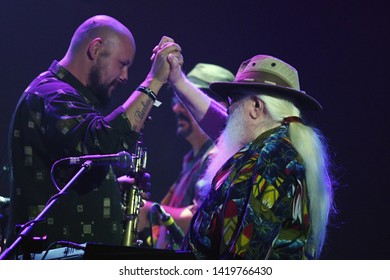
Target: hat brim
298 98
213 94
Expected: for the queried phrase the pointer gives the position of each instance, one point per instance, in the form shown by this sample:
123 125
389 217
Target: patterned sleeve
76 127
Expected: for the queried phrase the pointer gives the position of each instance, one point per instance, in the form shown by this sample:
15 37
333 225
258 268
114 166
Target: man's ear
257 107
94 47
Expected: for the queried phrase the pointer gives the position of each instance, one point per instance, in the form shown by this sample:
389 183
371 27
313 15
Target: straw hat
268 75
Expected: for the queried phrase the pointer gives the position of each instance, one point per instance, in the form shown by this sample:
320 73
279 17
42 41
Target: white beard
231 140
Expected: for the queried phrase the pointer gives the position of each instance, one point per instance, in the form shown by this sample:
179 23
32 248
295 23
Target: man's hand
175 74
125 182
161 68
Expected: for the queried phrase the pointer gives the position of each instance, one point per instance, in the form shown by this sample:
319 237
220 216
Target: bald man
61 114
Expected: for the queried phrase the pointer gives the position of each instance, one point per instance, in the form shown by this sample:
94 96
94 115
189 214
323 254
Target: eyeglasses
174 100
235 98
240 96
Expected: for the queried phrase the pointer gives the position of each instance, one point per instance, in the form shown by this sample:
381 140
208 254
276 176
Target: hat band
198 82
263 77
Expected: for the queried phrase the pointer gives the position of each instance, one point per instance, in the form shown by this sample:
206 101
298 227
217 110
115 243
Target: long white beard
231 140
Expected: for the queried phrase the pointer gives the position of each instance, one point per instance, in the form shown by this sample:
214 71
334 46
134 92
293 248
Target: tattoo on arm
141 112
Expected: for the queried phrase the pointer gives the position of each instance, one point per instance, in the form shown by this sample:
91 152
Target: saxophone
131 197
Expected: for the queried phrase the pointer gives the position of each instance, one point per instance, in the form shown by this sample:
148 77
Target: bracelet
150 93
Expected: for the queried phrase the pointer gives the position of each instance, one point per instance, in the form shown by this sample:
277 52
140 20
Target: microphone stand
176 235
24 233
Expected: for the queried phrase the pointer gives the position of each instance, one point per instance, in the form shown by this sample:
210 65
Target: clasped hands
167 61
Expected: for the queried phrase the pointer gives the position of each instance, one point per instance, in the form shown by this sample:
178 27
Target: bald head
100 53
105 27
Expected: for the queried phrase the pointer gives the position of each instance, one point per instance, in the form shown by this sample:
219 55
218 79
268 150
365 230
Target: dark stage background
339 47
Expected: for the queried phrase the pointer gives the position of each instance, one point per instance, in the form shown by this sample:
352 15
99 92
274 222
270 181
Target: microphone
4 201
122 159
174 230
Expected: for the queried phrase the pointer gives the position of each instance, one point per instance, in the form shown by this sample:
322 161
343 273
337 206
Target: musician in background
181 200
61 114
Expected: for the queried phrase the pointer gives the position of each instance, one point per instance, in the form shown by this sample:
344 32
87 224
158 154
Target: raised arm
210 115
139 104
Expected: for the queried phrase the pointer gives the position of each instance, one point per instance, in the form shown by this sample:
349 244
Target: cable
52 173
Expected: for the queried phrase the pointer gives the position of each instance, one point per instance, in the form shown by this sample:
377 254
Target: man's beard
229 142
100 90
181 131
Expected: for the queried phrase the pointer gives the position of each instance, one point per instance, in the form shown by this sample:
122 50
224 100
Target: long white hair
312 147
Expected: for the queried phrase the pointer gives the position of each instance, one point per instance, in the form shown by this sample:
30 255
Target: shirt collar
67 77
281 130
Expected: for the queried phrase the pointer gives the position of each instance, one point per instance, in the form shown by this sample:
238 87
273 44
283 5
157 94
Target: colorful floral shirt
257 208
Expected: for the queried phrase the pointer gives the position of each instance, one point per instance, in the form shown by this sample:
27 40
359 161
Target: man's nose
124 75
